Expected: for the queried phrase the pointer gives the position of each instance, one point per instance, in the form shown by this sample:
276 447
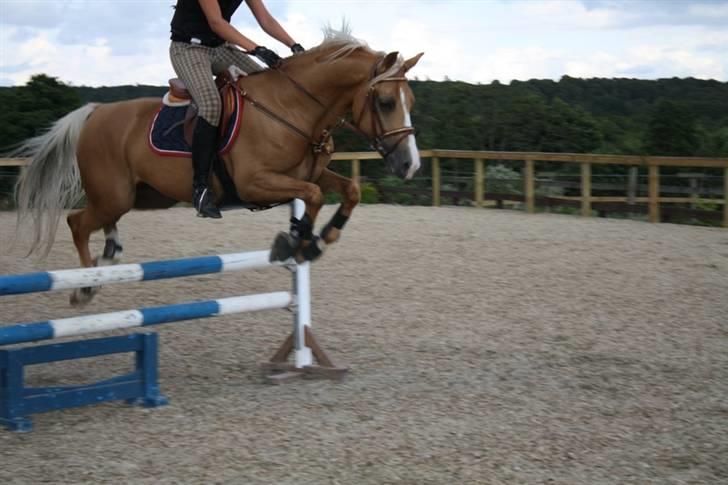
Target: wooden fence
586 200
529 159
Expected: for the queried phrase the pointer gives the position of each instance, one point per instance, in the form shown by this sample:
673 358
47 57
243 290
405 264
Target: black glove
266 55
297 48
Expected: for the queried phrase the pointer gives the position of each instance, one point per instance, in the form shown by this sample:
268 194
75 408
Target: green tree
715 144
671 131
569 129
28 110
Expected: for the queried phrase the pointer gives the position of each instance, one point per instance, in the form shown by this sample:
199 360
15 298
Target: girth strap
230 193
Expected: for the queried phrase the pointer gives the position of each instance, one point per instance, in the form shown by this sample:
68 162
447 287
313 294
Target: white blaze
411 143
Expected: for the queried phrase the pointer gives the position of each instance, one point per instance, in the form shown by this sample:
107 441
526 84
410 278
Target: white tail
51 182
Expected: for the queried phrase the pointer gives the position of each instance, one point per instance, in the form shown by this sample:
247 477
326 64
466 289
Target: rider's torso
189 21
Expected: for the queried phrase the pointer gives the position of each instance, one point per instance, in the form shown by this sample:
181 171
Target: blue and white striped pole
68 327
125 273
299 301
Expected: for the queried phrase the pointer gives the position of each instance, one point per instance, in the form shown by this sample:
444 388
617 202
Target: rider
202 36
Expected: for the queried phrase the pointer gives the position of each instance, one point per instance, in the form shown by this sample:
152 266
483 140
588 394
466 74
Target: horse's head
382 112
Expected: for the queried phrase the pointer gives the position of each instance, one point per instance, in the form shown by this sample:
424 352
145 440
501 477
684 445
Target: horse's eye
386 104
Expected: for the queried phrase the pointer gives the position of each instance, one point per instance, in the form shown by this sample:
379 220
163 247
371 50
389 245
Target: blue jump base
137 387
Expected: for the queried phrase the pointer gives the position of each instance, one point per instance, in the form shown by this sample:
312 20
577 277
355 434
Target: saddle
178 96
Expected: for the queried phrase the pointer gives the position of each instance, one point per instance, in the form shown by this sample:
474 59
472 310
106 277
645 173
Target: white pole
302 293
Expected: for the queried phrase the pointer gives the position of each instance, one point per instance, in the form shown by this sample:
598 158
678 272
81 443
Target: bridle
321 144
379 134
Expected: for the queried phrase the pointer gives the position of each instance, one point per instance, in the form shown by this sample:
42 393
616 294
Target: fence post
694 194
586 190
725 197
355 170
479 182
632 185
529 188
436 181
654 193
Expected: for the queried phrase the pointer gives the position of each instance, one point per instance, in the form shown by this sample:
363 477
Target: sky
114 42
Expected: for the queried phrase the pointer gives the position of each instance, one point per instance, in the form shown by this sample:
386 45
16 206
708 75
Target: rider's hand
297 48
266 55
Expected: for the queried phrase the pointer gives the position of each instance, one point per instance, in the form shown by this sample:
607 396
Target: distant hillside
579 115
621 116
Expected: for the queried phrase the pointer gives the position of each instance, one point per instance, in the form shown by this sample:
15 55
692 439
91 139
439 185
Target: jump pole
141 385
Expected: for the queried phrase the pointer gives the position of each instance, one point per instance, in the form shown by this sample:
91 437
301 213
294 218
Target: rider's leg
204 151
193 65
229 55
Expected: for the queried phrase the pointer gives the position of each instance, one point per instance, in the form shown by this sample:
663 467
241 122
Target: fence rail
530 159
585 161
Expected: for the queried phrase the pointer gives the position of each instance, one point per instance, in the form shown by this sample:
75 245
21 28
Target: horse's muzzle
404 162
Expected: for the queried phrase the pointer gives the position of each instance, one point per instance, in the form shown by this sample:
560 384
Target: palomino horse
281 153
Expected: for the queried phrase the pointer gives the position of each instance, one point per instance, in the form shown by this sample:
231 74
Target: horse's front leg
300 242
350 196
308 246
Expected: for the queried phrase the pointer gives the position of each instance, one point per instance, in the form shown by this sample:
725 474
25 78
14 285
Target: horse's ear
389 61
410 63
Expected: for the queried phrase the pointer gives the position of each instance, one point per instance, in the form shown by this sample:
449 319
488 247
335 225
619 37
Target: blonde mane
342 43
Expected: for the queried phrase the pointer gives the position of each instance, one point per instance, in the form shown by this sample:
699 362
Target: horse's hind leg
112 248
83 223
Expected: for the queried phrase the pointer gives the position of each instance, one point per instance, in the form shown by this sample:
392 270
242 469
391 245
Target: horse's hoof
82 296
314 250
284 247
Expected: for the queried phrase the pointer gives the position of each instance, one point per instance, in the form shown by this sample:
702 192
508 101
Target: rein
270 113
298 86
320 146
316 146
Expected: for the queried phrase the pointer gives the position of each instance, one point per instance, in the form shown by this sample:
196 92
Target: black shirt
189 21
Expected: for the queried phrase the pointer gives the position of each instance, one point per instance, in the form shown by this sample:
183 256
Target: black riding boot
204 151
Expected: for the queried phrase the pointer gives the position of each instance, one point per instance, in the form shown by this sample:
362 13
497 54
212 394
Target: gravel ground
485 346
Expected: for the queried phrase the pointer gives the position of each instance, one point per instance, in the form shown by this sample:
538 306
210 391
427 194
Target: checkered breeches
193 65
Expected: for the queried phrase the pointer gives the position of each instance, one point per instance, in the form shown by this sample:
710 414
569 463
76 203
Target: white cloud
38 51
714 10
93 64
97 42
681 62
519 63
444 58
565 14
647 61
